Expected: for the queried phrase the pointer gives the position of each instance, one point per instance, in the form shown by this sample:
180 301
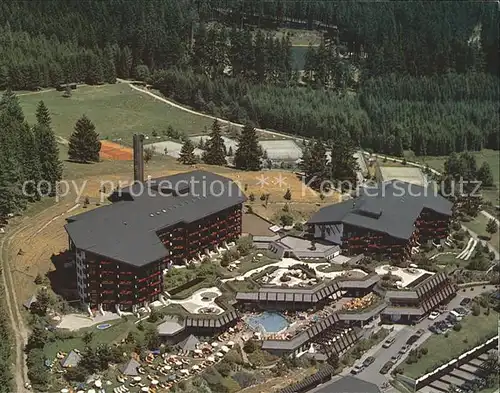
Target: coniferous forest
392 75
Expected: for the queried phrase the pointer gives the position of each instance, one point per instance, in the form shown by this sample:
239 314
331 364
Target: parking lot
395 353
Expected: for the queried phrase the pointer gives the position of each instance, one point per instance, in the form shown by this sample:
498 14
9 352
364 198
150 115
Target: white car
433 315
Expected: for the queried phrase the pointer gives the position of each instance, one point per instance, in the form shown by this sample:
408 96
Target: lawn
119 330
442 349
490 156
117 111
478 225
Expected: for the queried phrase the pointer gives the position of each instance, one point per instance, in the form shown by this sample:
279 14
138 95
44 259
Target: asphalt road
372 372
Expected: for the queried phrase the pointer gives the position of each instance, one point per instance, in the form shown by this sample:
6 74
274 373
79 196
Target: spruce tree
108 66
343 164
43 115
249 153
214 147
186 156
84 144
492 226
31 167
314 164
484 175
48 152
12 176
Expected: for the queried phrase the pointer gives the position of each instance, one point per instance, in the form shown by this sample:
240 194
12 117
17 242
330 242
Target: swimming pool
270 322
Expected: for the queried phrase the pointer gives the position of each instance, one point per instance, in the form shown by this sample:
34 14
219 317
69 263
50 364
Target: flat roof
409 174
169 328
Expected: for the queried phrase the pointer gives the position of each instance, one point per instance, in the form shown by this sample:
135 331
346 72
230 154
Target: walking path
285 263
183 108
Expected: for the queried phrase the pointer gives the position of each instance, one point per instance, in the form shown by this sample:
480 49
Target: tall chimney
138 158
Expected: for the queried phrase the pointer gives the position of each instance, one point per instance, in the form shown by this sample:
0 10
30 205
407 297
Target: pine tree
343 164
31 166
484 175
186 156
108 66
314 164
492 226
43 115
94 70
84 144
48 153
12 199
214 147
249 153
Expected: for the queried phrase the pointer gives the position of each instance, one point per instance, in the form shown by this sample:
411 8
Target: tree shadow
63 278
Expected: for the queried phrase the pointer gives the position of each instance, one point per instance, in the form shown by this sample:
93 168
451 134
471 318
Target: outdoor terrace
292 294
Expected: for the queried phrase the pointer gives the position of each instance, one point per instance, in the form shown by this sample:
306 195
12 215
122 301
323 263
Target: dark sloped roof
391 207
189 344
126 231
292 294
325 372
130 368
71 360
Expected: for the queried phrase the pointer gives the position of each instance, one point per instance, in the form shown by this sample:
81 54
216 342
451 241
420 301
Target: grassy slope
492 157
116 110
478 225
442 349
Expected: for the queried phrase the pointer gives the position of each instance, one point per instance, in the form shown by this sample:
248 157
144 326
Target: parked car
465 301
369 360
412 340
462 311
386 367
357 369
455 316
404 349
388 342
395 357
419 332
433 315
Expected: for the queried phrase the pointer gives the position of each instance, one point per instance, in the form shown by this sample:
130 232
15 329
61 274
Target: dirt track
27 234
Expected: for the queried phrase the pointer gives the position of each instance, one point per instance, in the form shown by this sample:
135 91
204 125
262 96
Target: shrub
424 351
285 278
263 197
298 226
251 197
250 346
244 245
288 195
457 327
476 310
286 219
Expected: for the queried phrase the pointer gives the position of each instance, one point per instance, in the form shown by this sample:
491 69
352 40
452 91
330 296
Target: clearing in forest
117 111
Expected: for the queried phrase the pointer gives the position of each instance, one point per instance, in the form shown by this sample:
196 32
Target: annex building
388 219
122 249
